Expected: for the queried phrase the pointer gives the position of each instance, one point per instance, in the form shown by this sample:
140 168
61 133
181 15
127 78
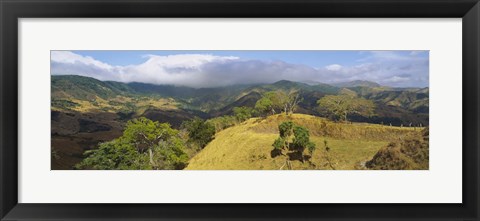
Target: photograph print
239 110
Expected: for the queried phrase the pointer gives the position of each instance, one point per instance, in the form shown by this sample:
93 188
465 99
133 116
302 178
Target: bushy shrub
223 122
199 131
279 143
286 129
302 137
301 141
242 113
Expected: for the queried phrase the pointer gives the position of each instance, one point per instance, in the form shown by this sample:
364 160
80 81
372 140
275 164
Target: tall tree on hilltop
300 138
264 106
278 100
340 106
293 98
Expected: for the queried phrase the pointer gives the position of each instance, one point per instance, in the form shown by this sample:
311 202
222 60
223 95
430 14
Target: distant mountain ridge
86 111
393 104
357 83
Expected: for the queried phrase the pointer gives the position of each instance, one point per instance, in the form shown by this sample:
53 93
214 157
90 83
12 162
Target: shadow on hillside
292 155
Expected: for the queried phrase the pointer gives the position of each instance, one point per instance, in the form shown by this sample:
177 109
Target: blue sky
311 58
223 68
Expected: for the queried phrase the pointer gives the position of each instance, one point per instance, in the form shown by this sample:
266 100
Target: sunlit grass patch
248 146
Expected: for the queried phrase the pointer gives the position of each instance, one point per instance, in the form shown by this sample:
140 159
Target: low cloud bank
205 70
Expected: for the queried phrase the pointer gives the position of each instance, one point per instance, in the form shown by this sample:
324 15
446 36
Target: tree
280 143
199 131
340 106
293 98
278 100
144 145
286 131
301 141
264 106
115 155
222 122
242 113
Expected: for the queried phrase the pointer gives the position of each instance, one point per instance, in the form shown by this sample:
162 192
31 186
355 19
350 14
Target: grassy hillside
248 146
82 88
87 111
76 93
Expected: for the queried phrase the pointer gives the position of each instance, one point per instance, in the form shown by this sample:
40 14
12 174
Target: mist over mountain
357 83
215 69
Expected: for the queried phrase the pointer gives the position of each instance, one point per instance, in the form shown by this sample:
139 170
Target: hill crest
248 145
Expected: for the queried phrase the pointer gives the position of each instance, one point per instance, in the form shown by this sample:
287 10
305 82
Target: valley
86 112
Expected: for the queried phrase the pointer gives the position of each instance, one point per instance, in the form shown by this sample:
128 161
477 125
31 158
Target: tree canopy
242 113
300 138
199 131
144 145
278 101
264 106
340 106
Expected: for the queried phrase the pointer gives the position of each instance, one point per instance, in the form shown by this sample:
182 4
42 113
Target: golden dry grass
121 102
247 146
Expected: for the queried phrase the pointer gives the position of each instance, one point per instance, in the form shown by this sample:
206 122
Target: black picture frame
12 10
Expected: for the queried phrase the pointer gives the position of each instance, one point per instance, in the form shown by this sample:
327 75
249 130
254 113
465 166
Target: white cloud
204 70
396 79
334 67
68 57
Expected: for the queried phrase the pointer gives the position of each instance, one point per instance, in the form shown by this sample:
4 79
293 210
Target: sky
200 69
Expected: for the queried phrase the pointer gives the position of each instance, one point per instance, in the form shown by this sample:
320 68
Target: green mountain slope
85 88
357 83
86 111
394 105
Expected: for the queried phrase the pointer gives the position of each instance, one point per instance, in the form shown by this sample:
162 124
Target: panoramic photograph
239 110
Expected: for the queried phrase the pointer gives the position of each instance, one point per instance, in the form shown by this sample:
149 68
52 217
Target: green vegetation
144 145
223 122
64 104
394 106
282 142
83 88
278 101
340 106
242 113
264 106
199 131
301 140
356 125
294 150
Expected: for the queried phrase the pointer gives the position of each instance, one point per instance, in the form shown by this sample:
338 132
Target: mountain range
394 105
86 111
